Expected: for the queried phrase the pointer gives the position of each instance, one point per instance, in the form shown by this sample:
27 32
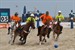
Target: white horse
11 30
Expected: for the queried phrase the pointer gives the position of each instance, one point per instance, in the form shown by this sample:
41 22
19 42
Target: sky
53 6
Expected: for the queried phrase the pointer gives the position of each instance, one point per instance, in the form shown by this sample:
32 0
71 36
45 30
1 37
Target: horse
23 31
11 29
57 28
43 31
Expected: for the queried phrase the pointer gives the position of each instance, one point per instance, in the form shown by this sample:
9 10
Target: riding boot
61 27
49 30
39 28
8 30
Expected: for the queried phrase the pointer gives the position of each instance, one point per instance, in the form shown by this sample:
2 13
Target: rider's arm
11 18
28 19
62 17
34 20
19 19
50 18
42 16
56 17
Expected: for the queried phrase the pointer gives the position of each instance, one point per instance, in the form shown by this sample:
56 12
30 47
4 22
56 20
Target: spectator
37 17
71 16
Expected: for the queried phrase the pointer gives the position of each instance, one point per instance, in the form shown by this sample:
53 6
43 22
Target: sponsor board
4 25
4 15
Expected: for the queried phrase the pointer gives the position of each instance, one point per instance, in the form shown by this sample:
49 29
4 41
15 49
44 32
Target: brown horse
43 31
57 28
23 31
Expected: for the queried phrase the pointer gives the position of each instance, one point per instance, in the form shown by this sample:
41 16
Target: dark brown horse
57 28
23 31
43 31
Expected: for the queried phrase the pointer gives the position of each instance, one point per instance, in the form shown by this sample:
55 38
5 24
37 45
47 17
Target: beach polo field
66 40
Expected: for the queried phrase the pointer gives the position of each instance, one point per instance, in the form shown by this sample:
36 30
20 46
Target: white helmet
32 15
59 11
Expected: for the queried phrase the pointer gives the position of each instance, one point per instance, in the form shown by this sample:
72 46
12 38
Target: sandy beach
66 41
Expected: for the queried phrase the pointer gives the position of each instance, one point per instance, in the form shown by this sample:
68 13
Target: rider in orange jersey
16 19
44 18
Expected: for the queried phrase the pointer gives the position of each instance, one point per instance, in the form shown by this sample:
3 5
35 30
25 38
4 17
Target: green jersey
60 17
29 19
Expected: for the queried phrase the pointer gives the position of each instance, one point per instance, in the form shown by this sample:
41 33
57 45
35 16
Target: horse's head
32 25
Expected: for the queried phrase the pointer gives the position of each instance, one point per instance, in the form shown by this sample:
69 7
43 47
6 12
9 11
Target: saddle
19 28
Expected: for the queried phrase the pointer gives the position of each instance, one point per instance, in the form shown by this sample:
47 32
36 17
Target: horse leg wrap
40 43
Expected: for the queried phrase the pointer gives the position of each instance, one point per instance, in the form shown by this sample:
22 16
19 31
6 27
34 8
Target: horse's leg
53 35
11 35
57 37
44 39
9 30
49 30
24 39
14 38
40 39
21 38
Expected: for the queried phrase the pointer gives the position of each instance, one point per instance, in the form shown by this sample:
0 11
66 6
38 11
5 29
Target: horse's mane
58 21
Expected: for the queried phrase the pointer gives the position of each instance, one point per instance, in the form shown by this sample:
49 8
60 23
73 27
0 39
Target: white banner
64 24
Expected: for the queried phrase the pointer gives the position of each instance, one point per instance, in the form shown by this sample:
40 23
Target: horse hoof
22 43
37 34
12 43
45 41
47 36
7 33
40 43
21 39
9 42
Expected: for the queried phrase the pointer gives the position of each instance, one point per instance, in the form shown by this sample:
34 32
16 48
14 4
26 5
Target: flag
23 15
24 10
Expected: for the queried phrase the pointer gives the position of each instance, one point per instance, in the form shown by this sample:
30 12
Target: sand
66 41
